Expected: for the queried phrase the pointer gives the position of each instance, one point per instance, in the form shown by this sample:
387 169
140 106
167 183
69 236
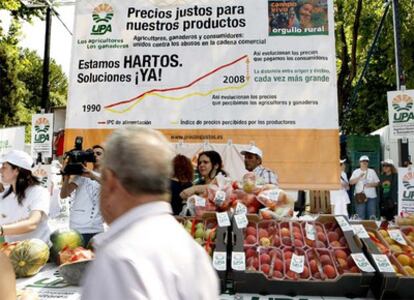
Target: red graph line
179 87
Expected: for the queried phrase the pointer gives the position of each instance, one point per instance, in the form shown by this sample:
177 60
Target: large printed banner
250 71
406 190
11 138
401 113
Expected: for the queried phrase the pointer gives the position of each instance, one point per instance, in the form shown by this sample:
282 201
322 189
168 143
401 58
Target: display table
49 285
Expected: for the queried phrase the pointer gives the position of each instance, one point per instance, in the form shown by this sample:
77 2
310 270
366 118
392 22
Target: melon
28 257
64 238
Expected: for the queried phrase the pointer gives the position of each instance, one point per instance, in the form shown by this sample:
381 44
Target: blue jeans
367 210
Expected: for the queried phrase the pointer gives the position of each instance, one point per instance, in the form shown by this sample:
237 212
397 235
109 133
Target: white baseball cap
364 157
388 161
18 158
253 150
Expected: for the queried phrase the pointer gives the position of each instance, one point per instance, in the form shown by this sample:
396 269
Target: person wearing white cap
253 163
388 190
24 206
365 195
340 198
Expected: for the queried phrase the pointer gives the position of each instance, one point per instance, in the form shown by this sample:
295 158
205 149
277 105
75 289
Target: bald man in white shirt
146 253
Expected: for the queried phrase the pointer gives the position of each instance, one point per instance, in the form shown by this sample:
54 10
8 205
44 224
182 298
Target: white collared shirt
370 177
147 254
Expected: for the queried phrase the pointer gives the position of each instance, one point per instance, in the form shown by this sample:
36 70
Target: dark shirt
176 201
389 187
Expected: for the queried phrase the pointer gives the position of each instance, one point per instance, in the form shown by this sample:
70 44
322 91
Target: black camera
77 158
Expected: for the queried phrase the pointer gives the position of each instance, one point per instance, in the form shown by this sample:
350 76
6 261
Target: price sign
397 236
219 260
240 209
343 223
223 219
219 198
310 231
199 201
359 230
362 262
238 261
297 263
241 221
383 263
274 194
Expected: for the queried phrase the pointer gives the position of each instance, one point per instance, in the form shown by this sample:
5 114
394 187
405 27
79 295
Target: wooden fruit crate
320 202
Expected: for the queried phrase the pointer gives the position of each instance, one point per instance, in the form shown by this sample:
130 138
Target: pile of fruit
203 232
270 245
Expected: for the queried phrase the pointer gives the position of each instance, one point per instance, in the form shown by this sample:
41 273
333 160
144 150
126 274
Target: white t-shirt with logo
36 198
369 177
85 215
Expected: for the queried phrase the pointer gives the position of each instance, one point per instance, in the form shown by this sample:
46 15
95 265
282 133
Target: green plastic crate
374 159
369 143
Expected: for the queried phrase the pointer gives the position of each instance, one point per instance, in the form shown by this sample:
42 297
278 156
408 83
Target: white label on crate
238 261
199 201
219 260
310 231
343 223
359 230
241 209
241 221
397 236
223 219
219 198
383 263
362 262
297 263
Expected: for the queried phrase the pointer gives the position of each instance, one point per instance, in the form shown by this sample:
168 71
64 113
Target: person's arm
194 190
24 226
67 187
92 175
375 179
354 178
7 279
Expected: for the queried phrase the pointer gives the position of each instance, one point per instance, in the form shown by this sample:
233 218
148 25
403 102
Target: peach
319 244
325 259
275 253
318 228
343 242
296 229
354 269
297 235
351 262
336 244
341 254
313 266
291 275
320 236
284 232
265 268
298 243
317 275
287 264
339 232
333 236
277 274
265 258
250 252
342 262
287 241
305 273
250 230
276 241
263 233
253 262
329 271
250 239
278 265
287 254
251 268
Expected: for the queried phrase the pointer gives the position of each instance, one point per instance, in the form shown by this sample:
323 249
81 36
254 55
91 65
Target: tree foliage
356 23
21 74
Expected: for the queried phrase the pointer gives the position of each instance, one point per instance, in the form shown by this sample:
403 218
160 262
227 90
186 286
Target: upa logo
41 130
403 104
408 180
101 15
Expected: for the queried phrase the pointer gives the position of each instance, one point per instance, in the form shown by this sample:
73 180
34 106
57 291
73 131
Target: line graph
159 92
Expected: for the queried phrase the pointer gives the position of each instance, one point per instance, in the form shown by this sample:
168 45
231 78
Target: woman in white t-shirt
24 205
365 180
340 198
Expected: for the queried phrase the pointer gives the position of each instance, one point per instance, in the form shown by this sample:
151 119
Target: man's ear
110 180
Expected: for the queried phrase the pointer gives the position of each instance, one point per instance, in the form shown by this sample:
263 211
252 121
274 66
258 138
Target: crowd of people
127 188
